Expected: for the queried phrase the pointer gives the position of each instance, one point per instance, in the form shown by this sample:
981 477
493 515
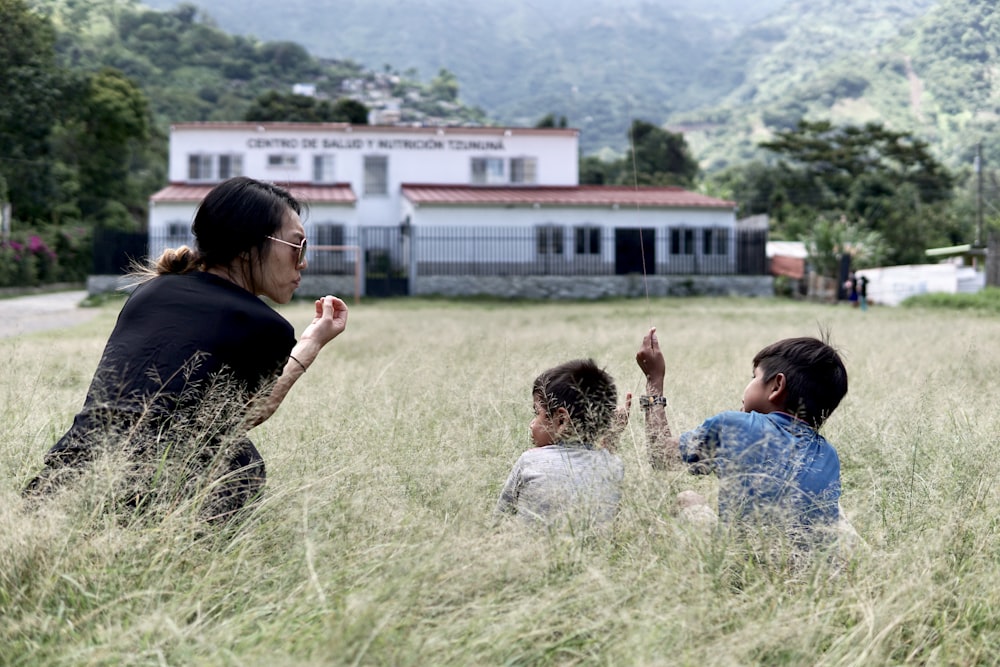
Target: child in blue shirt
773 465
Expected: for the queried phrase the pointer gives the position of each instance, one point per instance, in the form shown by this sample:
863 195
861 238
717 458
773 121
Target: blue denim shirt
771 467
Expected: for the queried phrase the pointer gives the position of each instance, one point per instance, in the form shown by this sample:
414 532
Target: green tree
595 171
444 87
550 120
274 106
350 111
660 157
824 161
114 118
881 180
29 91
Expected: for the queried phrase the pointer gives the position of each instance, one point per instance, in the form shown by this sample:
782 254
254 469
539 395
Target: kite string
635 187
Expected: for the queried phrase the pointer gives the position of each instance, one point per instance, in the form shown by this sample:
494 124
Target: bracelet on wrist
304 369
648 401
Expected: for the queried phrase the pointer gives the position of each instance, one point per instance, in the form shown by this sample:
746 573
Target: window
682 241
327 261
329 233
715 241
323 168
376 175
487 170
549 239
200 167
282 161
588 240
523 170
230 166
178 230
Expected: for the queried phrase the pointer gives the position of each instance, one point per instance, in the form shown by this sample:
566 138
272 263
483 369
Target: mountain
725 72
927 67
597 62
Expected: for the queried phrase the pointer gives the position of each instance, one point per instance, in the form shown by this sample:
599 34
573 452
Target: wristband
646 402
298 362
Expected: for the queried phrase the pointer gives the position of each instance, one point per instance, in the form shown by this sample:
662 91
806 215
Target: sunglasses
301 247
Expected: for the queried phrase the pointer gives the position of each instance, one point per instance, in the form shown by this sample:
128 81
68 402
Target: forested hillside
192 70
935 78
600 63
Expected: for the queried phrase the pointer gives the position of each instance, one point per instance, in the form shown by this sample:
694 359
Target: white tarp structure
890 285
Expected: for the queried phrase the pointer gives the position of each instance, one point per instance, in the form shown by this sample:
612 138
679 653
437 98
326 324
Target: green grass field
375 546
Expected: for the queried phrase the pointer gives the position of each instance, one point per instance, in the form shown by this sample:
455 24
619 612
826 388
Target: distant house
414 203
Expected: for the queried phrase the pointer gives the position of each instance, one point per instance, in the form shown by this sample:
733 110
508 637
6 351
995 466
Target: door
386 262
635 251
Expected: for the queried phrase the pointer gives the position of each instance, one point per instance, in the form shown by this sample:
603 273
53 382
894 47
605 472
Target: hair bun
177 260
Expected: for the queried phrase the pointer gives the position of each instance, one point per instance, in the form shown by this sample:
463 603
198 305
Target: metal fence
562 250
499 251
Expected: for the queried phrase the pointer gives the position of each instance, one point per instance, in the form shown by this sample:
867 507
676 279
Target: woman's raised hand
330 321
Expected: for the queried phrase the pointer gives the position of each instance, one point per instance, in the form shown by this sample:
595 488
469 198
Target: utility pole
979 195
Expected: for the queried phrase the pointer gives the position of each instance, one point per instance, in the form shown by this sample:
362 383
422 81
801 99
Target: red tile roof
336 193
584 195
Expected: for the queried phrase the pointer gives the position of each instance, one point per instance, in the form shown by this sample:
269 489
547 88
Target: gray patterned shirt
564 483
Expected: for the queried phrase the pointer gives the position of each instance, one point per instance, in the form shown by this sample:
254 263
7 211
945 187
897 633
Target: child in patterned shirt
570 478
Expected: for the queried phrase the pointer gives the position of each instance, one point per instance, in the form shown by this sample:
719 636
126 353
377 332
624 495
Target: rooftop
584 195
335 193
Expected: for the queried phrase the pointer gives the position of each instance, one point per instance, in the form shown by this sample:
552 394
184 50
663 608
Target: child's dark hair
815 376
587 392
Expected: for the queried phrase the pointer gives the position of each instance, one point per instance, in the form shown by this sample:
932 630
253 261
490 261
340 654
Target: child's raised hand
650 358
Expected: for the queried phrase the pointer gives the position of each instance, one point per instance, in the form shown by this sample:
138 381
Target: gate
114 251
387 259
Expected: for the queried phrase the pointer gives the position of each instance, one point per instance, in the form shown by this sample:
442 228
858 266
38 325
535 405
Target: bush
45 256
986 301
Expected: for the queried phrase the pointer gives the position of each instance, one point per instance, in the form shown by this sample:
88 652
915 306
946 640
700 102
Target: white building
390 190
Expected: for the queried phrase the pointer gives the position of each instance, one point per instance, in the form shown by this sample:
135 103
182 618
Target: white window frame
715 241
284 161
201 167
587 240
523 170
376 168
683 240
550 239
487 171
230 165
178 229
324 168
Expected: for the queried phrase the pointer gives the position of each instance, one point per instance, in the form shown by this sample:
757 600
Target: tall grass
374 543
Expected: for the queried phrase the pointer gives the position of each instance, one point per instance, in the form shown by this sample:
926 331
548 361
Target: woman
196 359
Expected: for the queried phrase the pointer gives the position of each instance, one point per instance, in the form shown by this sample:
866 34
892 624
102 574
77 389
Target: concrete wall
593 287
526 287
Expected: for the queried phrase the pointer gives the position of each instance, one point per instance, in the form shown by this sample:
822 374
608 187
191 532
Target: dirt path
43 312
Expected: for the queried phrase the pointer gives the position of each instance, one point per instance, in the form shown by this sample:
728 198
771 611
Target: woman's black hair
237 216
